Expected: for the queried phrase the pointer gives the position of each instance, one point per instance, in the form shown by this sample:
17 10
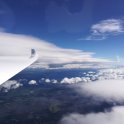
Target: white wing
10 66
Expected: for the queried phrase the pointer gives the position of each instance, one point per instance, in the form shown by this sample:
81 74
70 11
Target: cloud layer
108 90
113 117
20 45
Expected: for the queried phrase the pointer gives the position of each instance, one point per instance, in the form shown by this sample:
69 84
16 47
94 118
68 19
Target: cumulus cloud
105 28
32 82
91 76
20 45
12 84
110 74
47 80
108 90
113 117
75 80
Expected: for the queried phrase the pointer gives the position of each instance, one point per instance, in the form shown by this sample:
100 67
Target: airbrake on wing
33 53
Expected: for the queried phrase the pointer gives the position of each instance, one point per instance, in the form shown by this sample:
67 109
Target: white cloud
111 74
20 45
47 80
104 28
108 90
105 75
96 65
32 82
108 26
116 116
75 80
12 84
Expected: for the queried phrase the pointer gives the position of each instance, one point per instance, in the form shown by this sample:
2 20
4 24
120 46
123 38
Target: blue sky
89 25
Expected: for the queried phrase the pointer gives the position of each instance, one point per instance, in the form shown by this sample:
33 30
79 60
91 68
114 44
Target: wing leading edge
10 66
